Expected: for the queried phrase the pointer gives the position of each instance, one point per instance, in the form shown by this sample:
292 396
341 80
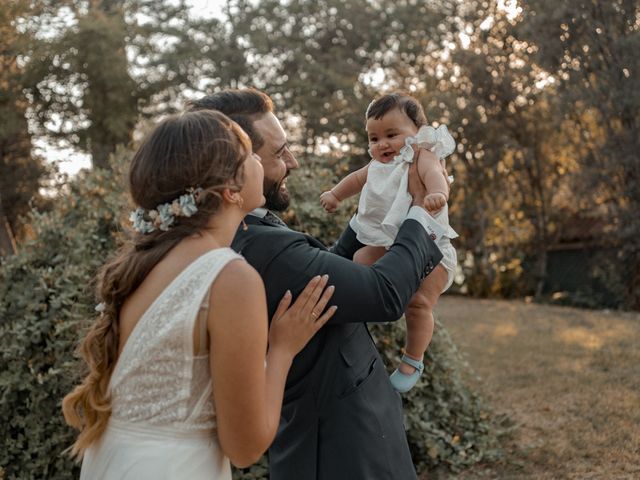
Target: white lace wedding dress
163 423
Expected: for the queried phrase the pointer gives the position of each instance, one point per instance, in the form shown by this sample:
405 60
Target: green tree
316 59
484 70
45 303
591 48
21 171
513 129
91 75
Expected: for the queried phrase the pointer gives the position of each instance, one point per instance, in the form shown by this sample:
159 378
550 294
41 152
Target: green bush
46 302
448 426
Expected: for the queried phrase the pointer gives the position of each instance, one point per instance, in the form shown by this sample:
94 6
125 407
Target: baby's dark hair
403 101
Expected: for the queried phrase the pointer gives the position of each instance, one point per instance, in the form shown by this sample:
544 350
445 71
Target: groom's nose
290 161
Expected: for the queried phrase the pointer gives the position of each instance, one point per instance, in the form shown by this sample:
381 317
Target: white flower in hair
139 223
187 203
175 207
164 215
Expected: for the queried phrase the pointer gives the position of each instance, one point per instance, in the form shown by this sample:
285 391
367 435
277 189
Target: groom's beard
276 194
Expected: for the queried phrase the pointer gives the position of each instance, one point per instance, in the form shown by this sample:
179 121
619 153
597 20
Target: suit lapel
254 220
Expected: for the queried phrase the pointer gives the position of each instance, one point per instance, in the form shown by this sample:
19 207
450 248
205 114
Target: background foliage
46 302
541 99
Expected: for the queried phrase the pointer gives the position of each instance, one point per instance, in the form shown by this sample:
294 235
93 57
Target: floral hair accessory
101 307
164 215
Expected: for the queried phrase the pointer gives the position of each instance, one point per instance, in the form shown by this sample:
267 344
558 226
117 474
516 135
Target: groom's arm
376 293
347 245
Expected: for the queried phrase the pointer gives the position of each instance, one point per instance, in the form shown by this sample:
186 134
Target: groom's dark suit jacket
341 418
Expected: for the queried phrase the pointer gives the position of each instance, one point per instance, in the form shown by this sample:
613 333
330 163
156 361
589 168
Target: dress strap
195 313
203 315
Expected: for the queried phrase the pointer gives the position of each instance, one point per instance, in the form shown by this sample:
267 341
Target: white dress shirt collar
259 212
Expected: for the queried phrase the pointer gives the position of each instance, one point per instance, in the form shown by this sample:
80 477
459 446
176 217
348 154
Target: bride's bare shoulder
237 279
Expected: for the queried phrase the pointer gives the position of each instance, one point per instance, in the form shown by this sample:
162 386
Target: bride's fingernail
325 277
287 293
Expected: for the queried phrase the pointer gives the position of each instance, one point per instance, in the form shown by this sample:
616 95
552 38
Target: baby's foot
406 369
404 379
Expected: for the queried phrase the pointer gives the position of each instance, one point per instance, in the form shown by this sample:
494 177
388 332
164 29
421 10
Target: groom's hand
415 185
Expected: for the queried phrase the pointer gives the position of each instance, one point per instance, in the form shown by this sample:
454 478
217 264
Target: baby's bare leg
419 316
368 255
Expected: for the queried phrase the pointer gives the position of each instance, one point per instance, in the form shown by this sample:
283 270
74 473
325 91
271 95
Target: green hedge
46 302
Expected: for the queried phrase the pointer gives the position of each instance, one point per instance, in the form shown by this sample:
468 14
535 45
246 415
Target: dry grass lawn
568 378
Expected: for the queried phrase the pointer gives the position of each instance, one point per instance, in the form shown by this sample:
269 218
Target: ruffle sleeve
437 140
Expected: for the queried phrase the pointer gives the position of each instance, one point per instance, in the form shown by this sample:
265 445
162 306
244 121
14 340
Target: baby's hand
435 201
329 201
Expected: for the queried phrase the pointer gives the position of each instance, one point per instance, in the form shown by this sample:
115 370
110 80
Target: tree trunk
541 271
111 100
7 241
542 228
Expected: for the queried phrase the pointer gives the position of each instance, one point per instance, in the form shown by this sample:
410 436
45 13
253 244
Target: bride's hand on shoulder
294 325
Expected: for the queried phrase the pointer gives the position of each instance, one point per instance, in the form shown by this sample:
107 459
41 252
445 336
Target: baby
398 131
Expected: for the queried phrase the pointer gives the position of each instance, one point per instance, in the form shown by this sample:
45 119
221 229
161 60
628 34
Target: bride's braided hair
202 149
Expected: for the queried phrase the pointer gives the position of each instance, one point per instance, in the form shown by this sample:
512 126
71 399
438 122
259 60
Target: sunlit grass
568 378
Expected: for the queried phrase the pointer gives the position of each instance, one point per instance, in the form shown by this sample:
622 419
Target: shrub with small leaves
448 425
46 302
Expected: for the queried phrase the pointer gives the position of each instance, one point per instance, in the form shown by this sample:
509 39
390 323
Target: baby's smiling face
387 134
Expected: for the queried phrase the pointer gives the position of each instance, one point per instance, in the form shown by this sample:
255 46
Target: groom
341 418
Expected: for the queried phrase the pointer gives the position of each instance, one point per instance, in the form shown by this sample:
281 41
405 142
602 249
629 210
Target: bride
183 372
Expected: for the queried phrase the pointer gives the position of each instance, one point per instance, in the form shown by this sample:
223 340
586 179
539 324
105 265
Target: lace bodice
158 380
